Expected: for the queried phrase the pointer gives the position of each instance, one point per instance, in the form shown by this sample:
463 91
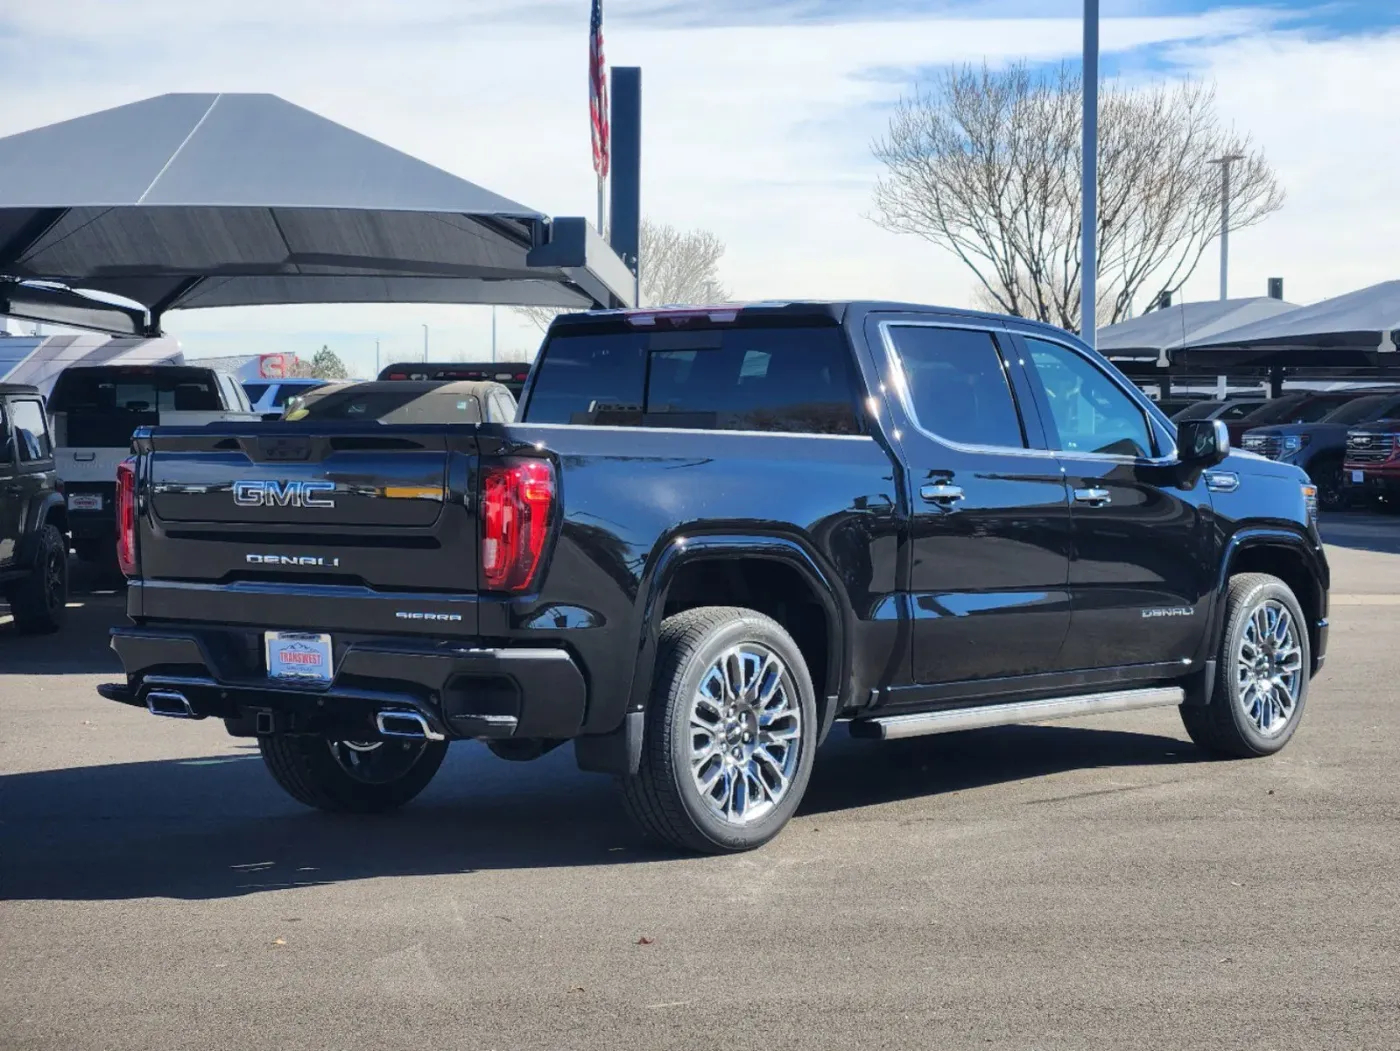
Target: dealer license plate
298 655
1357 477
85 501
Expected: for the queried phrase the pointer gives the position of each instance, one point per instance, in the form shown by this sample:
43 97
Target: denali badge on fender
282 494
292 560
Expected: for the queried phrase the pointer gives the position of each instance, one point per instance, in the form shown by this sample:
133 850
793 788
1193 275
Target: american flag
598 93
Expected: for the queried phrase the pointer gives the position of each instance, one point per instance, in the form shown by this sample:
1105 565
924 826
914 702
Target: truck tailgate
272 523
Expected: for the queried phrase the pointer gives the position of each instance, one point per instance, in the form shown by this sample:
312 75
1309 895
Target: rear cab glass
103 405
792 379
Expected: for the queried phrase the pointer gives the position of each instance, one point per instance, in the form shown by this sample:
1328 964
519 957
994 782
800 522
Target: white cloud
759 133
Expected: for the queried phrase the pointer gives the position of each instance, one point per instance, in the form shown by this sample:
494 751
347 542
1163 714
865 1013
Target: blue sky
758 119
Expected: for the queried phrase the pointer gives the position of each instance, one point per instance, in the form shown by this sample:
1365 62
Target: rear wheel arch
774 576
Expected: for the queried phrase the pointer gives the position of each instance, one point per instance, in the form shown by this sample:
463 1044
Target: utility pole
493 333
376 359
1089 229
425 344
1225 163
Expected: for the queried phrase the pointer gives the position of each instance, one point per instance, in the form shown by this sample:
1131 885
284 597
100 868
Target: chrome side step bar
916 724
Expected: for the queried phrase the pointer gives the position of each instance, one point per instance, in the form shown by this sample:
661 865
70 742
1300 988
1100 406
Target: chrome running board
916 724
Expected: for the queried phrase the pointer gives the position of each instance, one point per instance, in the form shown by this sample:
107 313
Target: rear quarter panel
629 496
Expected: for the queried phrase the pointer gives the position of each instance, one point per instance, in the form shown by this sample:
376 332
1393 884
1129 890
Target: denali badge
292 560
282 494
1170 611
403 615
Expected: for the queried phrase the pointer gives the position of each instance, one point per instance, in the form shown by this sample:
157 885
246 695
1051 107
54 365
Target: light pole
1225 162
1088 247
493 333
425 344
376 359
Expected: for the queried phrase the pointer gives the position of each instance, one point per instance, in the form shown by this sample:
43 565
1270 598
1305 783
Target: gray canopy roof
1360 320
1147 335
204 200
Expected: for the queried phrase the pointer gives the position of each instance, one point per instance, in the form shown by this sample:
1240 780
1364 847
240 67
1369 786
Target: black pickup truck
709 535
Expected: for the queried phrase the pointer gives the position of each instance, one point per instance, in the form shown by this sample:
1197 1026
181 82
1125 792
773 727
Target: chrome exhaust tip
169 703
399 723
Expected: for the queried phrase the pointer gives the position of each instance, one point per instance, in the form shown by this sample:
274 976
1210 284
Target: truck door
1140 576
989 526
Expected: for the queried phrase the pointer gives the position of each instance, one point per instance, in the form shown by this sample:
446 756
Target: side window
1091 413
31 431
958 387
255 390
7 443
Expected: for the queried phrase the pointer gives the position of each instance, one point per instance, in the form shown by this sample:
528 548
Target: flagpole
602 207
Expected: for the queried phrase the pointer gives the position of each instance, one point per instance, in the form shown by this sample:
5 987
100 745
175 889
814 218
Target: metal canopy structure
203 200
1169 328
1357 329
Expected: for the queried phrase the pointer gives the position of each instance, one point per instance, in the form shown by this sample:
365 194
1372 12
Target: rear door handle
944 495
1093 497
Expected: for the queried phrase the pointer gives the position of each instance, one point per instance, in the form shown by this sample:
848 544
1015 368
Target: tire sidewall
765 633
1229 688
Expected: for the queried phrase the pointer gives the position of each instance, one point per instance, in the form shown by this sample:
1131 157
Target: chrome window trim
1132 393
901 385
639 429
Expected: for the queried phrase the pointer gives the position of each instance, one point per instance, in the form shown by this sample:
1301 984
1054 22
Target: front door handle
1093 497
944 495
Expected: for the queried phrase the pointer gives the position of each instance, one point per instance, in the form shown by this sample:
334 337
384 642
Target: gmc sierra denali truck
709 535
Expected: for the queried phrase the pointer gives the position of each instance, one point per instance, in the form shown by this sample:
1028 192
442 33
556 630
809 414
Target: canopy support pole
160 306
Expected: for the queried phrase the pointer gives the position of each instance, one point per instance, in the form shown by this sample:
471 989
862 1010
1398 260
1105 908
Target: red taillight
516 502
126 516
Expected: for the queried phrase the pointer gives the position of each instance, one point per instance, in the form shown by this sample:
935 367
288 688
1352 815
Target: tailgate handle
85 457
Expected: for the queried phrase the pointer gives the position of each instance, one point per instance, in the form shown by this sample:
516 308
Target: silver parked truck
95 409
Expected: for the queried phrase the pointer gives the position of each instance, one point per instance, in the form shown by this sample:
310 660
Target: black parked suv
33 518
707 536
1320 448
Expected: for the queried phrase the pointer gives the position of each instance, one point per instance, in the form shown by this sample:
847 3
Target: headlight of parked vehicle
1293 442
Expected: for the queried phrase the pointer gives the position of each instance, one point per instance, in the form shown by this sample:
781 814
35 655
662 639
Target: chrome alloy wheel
1269 668
376 762
745 733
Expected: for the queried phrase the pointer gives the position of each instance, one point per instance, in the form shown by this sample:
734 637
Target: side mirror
1202 443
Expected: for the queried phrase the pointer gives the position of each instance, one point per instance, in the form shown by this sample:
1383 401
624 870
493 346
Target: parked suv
33 520
708 536
1320 448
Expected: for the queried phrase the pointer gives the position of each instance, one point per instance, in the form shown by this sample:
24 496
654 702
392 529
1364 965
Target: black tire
1333 494
663 797
39 602
308 770
1223 727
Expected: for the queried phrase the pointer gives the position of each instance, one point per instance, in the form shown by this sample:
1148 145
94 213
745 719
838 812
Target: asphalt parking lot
1087 884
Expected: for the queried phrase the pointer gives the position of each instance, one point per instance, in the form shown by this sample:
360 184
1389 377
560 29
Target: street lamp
1225 162
1089 228
425 344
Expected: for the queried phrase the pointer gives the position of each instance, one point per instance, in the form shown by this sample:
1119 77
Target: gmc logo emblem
283 494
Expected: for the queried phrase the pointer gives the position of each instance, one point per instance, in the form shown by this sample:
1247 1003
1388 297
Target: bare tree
679 267
987 165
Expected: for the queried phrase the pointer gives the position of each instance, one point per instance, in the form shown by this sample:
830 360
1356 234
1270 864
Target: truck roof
17 388
813 309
